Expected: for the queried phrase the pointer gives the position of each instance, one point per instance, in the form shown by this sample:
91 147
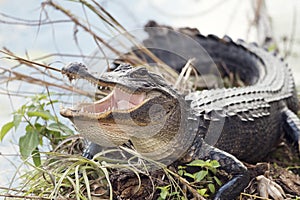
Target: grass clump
39 124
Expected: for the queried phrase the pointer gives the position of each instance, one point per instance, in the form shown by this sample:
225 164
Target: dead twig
83 26
23 196
291 41
26 61
36 81
261 21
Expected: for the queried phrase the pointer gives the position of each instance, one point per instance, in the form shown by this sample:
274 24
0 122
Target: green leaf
202 191
218 181
189 175
181 167
21 111
28 142
213 170
39 97
46 115
59 127
175 193
197 163
215 163
199 176
17 120
211 188
52 102
164 192
36 157
180 172
5 128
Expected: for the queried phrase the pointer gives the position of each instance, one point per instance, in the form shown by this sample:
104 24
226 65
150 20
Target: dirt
281 166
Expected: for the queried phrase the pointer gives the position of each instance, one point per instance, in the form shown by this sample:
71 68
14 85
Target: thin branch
292 34
36 81
263 25
26 61
23 196
78 23
27 22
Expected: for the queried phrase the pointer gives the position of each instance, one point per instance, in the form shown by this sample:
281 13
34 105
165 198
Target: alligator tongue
117 100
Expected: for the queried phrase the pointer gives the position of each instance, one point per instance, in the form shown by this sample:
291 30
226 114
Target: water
217 17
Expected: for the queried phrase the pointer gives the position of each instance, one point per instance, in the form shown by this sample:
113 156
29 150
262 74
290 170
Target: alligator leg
291 125
234 167
91 149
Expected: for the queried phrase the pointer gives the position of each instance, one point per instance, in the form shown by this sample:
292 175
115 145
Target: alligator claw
291 125
234 167
91 150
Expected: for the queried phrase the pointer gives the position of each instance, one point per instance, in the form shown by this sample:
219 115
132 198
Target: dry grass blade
185 183
65 175
47 79
29 79
112 22
77 22
26 61
184 75
107 18
252 196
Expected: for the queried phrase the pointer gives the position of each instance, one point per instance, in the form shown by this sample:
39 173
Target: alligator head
140 106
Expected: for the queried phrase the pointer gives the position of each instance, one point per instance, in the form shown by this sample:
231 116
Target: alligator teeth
123 89
100 87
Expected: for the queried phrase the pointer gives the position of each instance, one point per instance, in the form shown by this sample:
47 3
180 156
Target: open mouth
119 99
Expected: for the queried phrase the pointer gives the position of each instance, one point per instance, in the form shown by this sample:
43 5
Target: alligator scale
250 120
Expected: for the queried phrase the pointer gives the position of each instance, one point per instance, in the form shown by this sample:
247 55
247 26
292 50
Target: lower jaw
103 133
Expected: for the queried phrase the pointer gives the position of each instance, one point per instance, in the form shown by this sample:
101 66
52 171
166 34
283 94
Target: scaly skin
227 125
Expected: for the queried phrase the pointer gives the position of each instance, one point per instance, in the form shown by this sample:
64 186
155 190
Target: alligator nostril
146 84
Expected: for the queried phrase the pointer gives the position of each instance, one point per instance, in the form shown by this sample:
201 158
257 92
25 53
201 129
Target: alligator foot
291 125
91 150
234 167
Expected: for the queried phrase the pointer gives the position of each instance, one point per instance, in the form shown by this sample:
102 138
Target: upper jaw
118 100
120 97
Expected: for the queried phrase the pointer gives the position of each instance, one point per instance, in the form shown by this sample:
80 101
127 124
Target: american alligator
250 119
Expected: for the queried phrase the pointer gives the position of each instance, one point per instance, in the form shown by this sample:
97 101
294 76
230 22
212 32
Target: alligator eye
139 72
